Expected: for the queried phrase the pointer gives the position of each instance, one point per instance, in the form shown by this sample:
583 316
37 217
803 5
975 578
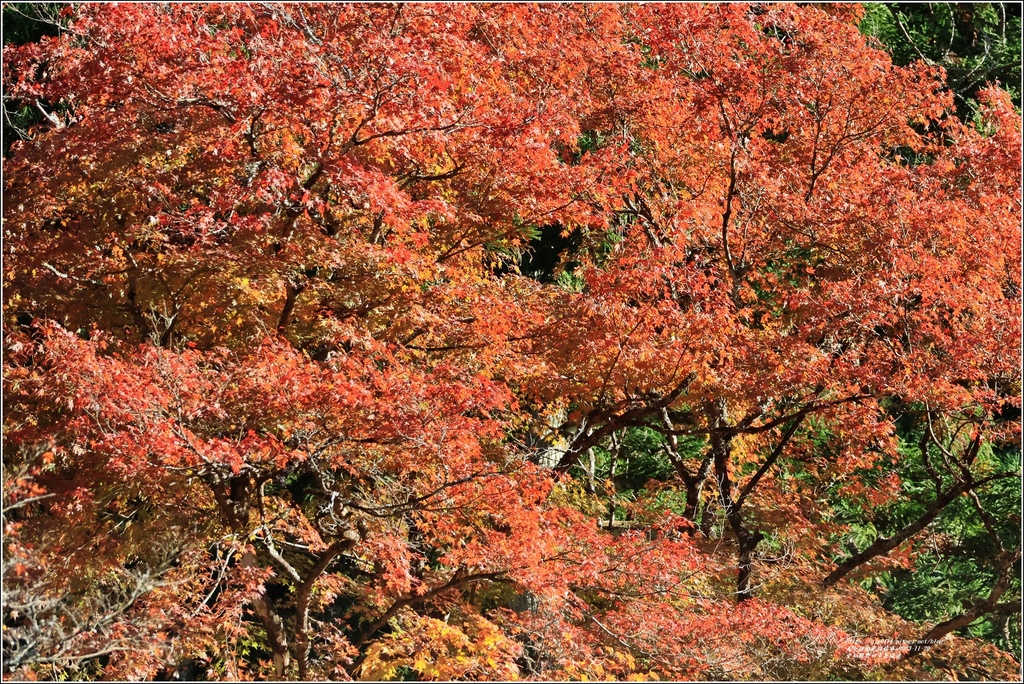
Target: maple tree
283 400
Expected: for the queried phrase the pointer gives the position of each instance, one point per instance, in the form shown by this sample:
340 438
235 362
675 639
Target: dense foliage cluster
975 43
505 341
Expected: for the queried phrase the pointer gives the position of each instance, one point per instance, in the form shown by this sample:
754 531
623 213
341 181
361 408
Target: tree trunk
272 623
233 502
292 291
302 595
747 541
591 466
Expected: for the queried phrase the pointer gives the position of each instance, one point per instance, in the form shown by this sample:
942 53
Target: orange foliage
271 367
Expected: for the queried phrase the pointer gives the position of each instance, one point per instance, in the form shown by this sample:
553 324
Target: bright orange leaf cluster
280 403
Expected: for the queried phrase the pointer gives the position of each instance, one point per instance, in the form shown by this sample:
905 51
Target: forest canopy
506 341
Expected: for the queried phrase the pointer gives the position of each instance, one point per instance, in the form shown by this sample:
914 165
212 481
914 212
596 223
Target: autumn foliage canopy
289 393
